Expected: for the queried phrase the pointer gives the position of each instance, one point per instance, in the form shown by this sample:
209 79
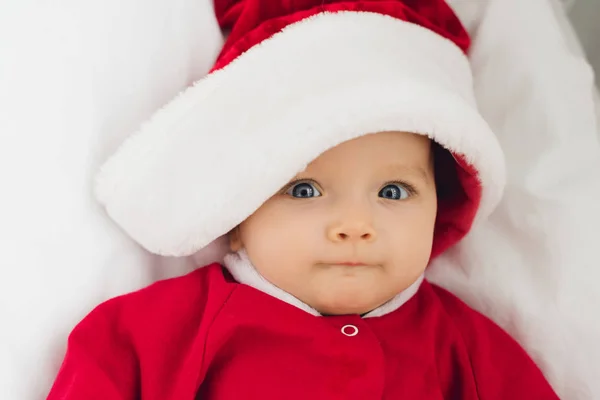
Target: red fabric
203 336
250 22
458 194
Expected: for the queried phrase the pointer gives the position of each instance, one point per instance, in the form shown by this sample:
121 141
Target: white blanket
534 267
77 77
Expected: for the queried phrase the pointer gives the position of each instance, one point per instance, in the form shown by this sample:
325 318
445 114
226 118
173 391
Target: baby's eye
303 190
394 191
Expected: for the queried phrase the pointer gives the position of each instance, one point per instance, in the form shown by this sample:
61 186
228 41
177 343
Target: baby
337 181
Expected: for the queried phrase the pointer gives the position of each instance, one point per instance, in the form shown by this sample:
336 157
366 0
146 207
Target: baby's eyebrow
402 169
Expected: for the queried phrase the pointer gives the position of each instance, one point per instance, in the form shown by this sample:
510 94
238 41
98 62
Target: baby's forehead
396 168
386 152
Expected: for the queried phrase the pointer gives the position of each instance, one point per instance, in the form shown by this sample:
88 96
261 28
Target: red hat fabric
246 19
295 78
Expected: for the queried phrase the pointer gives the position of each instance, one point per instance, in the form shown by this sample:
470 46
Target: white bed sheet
77 77
533 267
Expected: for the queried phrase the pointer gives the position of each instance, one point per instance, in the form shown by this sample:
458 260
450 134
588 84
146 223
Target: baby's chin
347 303
351 295
337 311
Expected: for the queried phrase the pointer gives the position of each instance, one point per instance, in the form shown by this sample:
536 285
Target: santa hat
294 79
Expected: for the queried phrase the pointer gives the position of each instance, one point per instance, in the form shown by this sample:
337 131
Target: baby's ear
235 240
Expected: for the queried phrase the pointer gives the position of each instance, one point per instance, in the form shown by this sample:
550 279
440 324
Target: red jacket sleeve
99 363
501 367
144 342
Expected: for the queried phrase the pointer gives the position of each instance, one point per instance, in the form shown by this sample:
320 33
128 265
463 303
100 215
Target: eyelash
298 181
409 188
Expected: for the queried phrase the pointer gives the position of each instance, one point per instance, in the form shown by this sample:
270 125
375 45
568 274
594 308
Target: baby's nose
351 232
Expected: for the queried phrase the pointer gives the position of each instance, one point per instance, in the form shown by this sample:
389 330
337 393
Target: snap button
350 330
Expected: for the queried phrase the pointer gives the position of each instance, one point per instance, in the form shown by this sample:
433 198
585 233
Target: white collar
242 270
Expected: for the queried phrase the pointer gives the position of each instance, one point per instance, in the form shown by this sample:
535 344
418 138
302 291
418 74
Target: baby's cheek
409 257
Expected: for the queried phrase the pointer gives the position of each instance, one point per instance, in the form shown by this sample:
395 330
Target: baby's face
351 231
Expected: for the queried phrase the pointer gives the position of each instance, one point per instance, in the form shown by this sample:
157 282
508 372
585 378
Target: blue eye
303 190
394 191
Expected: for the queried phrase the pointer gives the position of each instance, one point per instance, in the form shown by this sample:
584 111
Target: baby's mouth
355 264
351 264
